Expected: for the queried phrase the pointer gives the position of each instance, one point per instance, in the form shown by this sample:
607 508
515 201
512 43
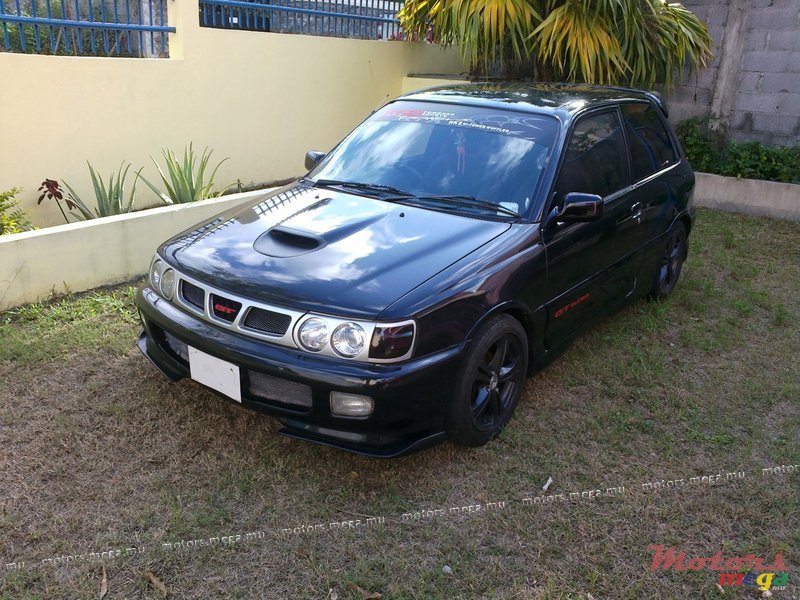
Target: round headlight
349 339
168 283
155 274
313 334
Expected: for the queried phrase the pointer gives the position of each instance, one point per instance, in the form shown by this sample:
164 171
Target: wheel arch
529 323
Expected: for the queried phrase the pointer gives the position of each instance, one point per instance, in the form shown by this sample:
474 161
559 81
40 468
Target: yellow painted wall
261 99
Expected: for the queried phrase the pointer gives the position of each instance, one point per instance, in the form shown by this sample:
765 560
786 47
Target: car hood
324 250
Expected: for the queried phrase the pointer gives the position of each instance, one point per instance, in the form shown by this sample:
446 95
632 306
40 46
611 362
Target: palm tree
635 42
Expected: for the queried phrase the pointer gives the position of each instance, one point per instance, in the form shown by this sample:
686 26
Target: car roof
563 100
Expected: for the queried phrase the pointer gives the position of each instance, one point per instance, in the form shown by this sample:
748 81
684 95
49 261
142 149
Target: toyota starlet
401 292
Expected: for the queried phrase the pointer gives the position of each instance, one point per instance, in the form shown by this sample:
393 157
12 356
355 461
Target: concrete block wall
694 97
754 82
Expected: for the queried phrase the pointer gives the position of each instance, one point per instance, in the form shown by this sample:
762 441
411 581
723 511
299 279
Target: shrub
708 151
757 161
12 219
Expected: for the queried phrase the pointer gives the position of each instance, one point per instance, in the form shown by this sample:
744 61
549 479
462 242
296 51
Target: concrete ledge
81 256
748 196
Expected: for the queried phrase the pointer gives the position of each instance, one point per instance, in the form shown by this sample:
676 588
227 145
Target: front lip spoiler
373 452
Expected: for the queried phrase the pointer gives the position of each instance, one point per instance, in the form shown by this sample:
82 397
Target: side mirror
312 159
580 207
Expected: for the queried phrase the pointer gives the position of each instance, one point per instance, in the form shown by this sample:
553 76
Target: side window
595 161
650 143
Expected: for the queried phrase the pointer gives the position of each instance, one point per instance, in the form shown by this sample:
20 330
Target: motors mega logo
758 574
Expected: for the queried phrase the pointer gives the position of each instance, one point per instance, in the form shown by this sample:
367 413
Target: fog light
351 405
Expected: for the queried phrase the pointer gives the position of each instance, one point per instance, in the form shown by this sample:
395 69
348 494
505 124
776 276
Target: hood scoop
283 242
312 229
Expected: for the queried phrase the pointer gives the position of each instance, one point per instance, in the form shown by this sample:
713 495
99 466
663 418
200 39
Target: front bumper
409 397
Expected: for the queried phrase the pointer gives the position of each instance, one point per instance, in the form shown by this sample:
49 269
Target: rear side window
650 143
595 161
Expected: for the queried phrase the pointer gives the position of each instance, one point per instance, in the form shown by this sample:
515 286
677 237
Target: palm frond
480 28
577 39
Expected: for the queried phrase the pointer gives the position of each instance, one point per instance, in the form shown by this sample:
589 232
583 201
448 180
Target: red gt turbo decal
560 312
224 309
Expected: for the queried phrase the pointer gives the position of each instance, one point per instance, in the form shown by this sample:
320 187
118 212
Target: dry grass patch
98 453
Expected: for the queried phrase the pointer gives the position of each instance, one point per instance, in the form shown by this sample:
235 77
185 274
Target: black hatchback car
401 292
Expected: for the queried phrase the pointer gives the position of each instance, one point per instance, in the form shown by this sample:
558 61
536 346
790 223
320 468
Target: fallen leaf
364 593
547 484
157 583
720 589
104 584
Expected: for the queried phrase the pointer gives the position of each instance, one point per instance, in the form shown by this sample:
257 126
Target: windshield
428 149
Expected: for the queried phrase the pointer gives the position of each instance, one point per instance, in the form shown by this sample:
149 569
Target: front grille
267 321
280 390
225 308
193 294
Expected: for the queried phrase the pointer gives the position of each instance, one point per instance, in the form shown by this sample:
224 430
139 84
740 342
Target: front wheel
670 263
490 382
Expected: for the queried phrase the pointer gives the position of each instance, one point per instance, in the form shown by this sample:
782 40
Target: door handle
637 212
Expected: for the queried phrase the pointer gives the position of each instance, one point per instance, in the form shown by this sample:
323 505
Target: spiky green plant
110 197
632 42
185 180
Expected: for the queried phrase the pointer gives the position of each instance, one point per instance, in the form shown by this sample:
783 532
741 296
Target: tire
489 384
670 263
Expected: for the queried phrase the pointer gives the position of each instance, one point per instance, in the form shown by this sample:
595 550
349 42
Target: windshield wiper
458 200
368 187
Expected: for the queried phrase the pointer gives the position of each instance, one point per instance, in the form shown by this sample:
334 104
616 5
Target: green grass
97 451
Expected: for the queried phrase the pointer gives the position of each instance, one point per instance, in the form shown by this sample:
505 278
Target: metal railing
85 27
363 19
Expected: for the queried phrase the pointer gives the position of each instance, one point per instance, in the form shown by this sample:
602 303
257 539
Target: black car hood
328 251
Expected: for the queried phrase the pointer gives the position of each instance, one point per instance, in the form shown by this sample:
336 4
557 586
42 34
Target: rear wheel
490 382
670 263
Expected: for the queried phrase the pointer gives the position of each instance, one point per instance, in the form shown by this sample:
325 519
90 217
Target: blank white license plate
219 375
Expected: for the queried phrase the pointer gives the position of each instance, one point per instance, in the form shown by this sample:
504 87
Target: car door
653 156
592 265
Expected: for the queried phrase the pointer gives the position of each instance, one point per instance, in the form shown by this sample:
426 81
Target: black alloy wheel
670 263
490 383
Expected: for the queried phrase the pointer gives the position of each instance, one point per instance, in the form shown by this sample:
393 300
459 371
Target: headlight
168 283
155 274
313 334
349 339
393 341
355 339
